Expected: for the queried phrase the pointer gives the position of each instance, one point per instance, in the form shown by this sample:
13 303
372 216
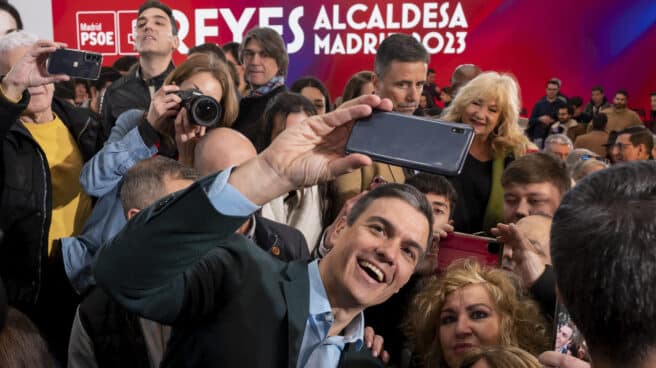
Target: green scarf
494 209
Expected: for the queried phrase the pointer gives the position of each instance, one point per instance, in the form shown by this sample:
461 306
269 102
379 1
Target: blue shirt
318 350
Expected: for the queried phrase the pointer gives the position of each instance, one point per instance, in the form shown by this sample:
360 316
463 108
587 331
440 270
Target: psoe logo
96 31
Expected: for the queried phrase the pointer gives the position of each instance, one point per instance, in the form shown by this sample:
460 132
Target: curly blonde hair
501 357
521 323
507 136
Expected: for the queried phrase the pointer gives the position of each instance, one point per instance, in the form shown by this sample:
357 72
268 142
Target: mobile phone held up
419 143
487 251
75 63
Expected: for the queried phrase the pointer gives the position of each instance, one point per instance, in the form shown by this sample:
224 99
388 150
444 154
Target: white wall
36 15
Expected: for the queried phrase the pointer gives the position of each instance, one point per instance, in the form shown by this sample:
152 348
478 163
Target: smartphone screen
487 251
75 63
567 337
419 143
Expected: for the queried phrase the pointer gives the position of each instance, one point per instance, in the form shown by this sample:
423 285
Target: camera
203 110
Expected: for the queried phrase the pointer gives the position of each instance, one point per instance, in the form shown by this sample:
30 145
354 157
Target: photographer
167 129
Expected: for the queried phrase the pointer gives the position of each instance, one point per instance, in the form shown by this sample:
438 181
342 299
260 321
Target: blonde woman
471 307
490 104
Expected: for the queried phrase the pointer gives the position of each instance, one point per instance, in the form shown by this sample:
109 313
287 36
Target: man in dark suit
233 305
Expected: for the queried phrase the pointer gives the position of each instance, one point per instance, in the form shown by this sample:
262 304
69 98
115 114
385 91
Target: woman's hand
186 137
163 106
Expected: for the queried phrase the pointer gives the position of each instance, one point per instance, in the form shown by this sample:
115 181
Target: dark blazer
281 241
231 304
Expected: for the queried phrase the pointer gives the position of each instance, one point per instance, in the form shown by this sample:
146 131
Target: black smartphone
487 251
567 337
75 63
419 143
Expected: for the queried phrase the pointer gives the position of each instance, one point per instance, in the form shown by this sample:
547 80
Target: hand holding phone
75 63
410 141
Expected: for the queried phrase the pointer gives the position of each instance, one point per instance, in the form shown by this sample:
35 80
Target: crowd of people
203 214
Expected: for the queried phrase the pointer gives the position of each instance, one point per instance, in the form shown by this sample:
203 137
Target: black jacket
251 111
282 241
128 92
26 206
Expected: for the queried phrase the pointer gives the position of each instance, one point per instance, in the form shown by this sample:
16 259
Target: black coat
26 203
251 112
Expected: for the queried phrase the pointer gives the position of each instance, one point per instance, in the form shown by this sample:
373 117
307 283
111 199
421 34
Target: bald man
462 75
535 229
222 148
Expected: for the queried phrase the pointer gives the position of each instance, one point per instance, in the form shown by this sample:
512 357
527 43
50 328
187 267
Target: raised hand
307 153
31 71
163 107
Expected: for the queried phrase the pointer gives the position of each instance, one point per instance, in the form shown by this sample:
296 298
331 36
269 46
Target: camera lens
457 130
205 111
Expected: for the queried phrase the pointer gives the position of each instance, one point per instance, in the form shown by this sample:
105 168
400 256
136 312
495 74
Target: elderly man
45 142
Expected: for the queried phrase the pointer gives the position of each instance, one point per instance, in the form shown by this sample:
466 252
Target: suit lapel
296 291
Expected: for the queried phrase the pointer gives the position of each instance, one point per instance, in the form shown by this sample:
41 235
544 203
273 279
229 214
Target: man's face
563 336
619 101
521 200
552 91
652 103
259 66
430 78
627 151
41 96
376 255
402 83
560 150
597 97
563 115
153 34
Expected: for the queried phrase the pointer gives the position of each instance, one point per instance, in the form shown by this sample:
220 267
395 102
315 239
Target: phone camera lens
457 130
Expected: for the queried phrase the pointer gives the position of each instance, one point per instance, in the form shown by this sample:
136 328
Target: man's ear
131 213
176 42
376 81
338 230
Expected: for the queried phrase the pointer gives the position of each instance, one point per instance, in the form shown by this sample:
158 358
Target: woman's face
468 320
316 97
7 23
482 115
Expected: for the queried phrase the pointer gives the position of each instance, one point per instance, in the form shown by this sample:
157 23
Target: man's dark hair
652 94
575 101
570 109
14 14
163 7
209 48
430 71
435 184
553 81
622 92
599 121
599 89
143 184
406 193
282 104
639 135
312 82
232 48
124 63
398 47
602 247
537 168
271 43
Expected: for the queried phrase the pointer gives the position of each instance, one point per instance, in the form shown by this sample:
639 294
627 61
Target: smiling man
230 303
155 39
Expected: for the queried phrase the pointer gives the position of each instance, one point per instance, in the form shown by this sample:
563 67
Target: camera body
203 110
